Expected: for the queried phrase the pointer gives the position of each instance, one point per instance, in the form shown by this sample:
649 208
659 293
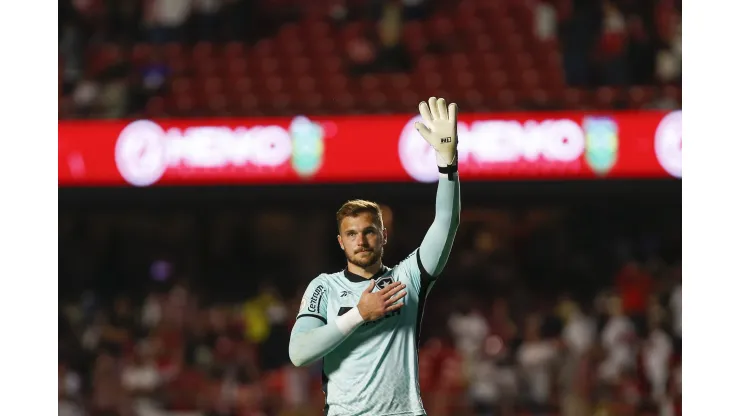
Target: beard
365 259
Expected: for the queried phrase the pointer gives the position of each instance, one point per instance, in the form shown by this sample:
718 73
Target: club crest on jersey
383 282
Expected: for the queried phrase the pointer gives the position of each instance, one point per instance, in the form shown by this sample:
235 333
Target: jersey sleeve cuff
349 321
450 176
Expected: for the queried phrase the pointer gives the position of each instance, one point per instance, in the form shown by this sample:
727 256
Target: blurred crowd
615 43
540 311
568 311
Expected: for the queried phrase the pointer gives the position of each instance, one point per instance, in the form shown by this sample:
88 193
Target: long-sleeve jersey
371 368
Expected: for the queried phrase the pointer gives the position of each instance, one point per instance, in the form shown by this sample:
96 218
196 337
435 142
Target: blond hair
356 207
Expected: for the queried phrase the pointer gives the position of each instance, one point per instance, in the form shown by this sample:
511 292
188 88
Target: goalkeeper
364 321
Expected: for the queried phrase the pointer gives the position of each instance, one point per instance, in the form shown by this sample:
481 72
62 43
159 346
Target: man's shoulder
403 264
413 255
326 279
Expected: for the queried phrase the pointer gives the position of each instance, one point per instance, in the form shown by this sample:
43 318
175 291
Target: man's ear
385 236
339 240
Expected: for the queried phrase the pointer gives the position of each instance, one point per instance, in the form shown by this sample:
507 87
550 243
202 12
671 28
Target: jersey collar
356 278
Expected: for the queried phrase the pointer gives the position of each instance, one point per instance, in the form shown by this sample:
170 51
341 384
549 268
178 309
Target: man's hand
375 305
440 129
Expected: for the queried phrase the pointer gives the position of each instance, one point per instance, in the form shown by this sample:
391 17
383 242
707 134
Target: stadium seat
483 49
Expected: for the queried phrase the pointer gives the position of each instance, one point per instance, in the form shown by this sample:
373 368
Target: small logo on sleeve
315 301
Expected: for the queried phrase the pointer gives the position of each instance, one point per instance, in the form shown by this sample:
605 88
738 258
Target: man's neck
366 272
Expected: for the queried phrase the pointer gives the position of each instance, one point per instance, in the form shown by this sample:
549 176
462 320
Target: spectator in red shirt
634 286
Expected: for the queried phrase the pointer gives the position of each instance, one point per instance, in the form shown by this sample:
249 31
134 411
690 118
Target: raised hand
439 129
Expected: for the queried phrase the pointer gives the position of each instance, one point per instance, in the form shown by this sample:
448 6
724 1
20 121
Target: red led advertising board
492 147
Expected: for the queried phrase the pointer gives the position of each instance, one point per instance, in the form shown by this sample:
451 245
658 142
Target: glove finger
426 115
442 108
424 131
453 113
434 108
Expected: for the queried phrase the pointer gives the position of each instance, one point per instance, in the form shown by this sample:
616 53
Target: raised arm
437 244
439 129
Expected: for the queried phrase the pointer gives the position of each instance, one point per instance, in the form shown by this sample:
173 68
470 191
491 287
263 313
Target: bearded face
362 238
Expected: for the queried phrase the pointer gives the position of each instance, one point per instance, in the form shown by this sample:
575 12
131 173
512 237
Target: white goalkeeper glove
440 131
